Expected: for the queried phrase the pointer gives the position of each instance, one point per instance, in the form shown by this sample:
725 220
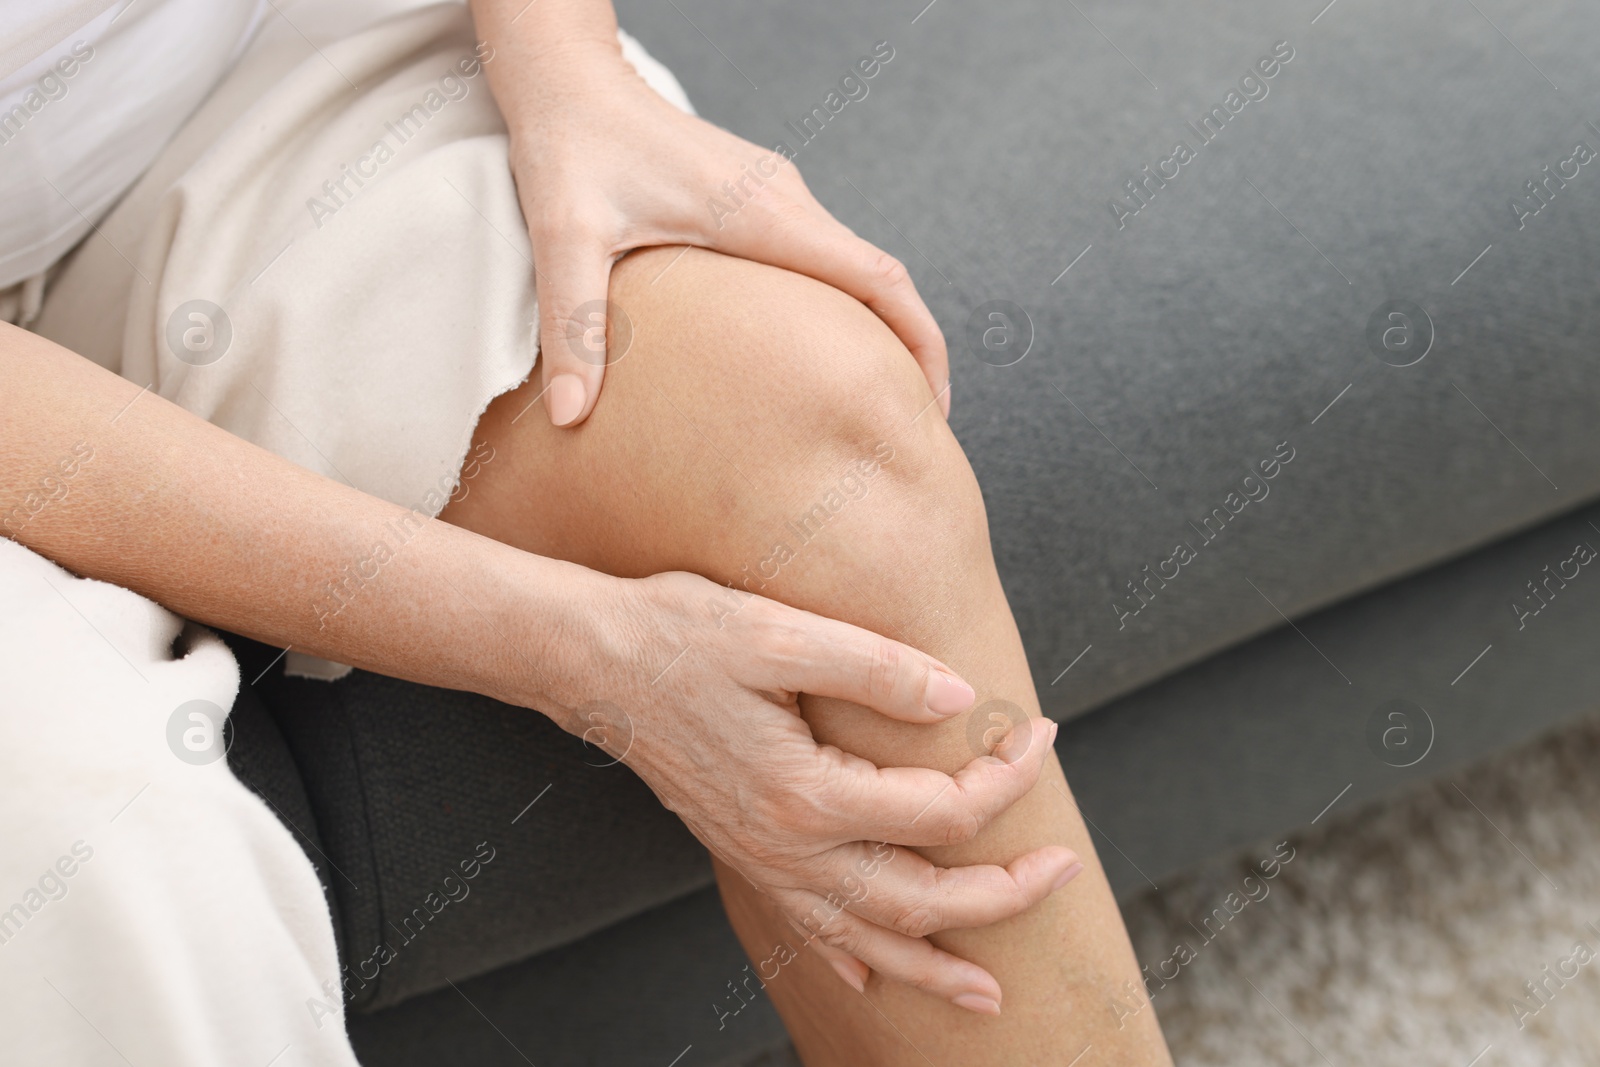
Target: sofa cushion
1214 316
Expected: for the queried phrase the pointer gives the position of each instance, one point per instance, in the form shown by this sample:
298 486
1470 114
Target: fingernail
947 694
848 973
1067 875
1055 728
977 1002
1019 741
566 398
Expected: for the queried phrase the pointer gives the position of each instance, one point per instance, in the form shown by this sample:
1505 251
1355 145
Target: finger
911 960
917 806
814 243
573 275
911 896
827 658
846 966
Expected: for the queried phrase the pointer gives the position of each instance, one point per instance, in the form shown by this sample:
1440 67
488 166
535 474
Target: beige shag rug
1457 925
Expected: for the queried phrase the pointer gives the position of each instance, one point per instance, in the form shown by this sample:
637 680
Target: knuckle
888 272
840 934
883 669
768 628
760 632
963 825
917 919
790 171
784 211
787 643
831 806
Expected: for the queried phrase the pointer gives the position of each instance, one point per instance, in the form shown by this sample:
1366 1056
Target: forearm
131 489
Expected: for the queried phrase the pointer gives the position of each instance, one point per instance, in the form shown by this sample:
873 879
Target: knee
861 403
796 365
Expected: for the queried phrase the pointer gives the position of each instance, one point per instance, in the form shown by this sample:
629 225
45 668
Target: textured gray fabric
1259 740
635 995
1208 330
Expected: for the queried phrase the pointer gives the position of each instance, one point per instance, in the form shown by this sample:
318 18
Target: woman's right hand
696 687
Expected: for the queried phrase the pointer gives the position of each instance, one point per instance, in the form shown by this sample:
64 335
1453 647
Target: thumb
574 320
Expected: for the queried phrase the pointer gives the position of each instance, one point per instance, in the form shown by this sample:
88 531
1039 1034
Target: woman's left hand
604 164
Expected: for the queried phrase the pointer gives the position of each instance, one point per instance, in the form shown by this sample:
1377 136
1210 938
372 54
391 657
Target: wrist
530 78
538 56
552 626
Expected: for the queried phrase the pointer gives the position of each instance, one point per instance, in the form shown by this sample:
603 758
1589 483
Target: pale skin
789 735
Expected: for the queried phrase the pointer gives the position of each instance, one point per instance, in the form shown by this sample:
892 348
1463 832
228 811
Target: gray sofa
1288 442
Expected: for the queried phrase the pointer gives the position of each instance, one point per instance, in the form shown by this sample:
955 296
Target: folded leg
769 432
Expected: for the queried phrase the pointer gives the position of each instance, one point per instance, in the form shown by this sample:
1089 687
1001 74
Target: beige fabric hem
329 261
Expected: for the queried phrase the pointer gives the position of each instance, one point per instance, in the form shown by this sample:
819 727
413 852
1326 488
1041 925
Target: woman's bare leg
765 430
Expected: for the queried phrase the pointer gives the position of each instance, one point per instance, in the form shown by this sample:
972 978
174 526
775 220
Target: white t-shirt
90 91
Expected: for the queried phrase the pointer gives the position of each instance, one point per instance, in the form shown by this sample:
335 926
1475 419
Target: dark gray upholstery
1208 330
1176 354
641 992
